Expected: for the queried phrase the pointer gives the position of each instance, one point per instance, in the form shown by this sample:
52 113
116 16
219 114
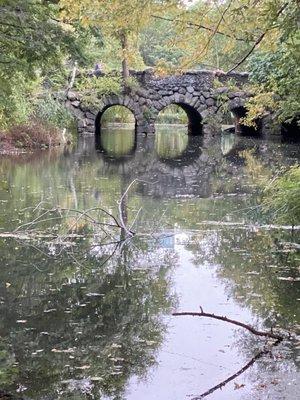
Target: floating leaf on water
7 285
238 386
96 378
71 350
288 278
83 367
21 321
21 388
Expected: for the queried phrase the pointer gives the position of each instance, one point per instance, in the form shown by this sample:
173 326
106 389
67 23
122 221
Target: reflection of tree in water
256 268
82 322
169 144
119 143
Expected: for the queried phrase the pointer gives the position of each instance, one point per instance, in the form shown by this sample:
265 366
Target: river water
86 309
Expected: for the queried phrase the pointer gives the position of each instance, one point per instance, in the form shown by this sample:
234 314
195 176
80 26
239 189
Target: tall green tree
262 36
33 44
120 19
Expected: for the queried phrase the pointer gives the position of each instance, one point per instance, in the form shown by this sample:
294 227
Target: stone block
90 128
236 94
77 113
210 101
126 101
201 108
190 89
90 115
193 102
188 98
220 90
156 105
81 123
182 91
177 97
236 102
204 113
72 95
142 101
75 103
89 122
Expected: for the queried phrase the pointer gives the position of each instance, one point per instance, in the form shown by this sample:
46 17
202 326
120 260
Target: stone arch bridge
201 94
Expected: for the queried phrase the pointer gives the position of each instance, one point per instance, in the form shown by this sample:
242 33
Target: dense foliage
281 197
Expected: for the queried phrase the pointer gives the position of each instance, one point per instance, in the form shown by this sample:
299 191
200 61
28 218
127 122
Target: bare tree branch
278 339
257 42
192 24
250 328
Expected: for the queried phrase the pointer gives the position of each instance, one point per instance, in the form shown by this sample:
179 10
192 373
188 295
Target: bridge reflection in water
177 164
168 144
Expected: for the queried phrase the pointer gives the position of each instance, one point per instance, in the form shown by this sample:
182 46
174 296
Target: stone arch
114 100
189 105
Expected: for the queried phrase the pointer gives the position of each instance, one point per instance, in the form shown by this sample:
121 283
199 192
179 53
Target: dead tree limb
257 42
129 232
278 339
199 26
250 328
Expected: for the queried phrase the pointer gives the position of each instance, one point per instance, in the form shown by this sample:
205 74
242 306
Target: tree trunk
124 43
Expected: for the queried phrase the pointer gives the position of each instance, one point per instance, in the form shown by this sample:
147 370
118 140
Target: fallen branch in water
32 235
243 225
278 339
250 328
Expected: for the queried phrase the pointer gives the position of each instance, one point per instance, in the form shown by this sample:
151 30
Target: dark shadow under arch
239 113
100 115
290 131
194 118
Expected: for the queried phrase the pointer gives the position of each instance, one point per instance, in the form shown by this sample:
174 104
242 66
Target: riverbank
34 135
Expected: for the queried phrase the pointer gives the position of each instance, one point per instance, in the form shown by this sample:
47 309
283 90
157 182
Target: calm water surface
85 316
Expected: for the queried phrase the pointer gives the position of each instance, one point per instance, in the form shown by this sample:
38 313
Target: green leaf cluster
35 48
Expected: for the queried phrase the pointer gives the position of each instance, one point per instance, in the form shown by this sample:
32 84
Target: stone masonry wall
195 91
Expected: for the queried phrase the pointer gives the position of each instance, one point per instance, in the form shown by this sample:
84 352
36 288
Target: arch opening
291 130
115 115
240 128
172 115
192 117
